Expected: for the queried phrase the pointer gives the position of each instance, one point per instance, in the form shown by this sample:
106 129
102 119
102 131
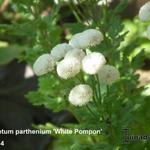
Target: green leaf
138 60
38 99
9 53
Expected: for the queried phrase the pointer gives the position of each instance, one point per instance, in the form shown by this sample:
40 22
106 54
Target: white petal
68 68
144 13
148 32
77 53
80 95
83 40
79 41
93 62
60 50
108 74
44 64
94 37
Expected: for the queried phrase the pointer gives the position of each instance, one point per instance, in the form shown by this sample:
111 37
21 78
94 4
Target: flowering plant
87 68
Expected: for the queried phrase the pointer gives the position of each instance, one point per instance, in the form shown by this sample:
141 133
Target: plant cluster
95 69
73 59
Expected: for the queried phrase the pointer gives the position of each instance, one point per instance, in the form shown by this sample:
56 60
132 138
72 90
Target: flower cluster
144 15
70 59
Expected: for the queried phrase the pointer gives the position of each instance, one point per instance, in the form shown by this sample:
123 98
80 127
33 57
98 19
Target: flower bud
93 62
68 68
60 50
108 74
144 13
80 95
44 64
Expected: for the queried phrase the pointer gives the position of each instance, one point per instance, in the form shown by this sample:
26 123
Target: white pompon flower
44 64
144 13
94 37
93 62
148 32
60 50
83 40
77 53
68 68
80 95
78 41
108 74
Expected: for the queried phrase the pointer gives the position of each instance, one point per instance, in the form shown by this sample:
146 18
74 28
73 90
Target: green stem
107 90
109 110
94 89
95 102
90 110
76 117
82 77
84 11
78 11
74 12
99 89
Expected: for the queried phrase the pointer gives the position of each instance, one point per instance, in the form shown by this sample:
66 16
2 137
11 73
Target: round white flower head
77 53
44 64
144 13
148 32
60 50
78 41
68 68
83 40
94 37
108 74
80 95
93 62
